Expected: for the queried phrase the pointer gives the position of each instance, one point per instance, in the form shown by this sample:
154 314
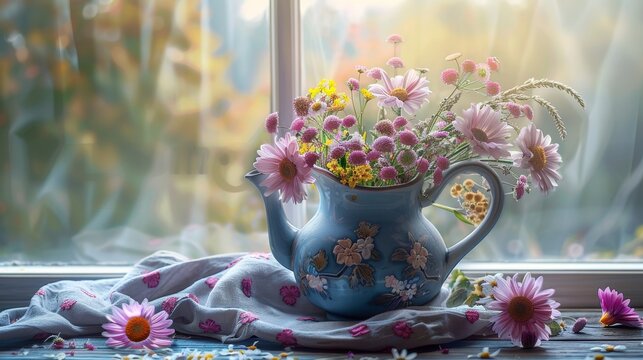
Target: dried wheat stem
544 83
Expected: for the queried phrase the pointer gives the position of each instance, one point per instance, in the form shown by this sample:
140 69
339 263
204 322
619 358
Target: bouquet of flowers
329 132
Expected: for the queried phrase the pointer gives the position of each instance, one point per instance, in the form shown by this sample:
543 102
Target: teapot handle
456 252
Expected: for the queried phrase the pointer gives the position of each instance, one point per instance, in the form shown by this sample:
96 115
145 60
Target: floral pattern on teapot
410 284
354 256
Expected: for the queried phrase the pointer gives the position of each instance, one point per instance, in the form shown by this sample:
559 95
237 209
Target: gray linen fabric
233 297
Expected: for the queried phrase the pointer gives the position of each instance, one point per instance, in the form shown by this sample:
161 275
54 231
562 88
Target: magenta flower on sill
617 310
525 309
136 326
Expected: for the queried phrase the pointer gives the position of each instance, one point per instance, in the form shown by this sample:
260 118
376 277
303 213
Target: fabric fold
233 297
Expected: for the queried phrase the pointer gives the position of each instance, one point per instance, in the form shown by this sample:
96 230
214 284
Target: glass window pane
596 211
127 127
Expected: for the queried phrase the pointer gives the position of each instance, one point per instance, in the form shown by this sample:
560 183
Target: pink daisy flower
407 92
286 169
136 326
616 309
539 156
524 309
487 135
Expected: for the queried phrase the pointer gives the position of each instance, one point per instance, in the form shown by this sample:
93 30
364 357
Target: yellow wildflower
306 147
325 87
366 94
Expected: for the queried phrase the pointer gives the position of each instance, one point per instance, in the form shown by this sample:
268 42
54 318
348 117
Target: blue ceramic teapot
370 250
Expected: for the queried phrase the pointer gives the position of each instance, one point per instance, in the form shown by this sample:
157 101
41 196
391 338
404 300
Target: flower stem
444 207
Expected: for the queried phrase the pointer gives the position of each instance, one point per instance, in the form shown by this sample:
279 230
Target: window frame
576 283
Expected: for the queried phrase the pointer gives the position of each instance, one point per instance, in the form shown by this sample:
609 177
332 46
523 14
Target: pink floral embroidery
209 326
286 338
307 318
289 294
40 292
211 281
169 304
234 262
472 315
246 287
258 255
152 279
67 304
402 329
193 297
247 317
359 330
86 292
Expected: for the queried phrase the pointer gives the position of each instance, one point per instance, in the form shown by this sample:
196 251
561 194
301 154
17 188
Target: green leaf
471 299
457 297
555 328
462 282
462 218
342 162
454 277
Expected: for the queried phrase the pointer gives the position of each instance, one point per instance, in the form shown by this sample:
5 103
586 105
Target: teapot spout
281 232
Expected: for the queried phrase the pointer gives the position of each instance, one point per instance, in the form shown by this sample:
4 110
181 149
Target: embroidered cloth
233 297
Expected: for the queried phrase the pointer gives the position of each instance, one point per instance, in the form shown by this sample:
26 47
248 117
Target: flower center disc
480 135
538 160
137 329
400 94
287 169
521 309
606 319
